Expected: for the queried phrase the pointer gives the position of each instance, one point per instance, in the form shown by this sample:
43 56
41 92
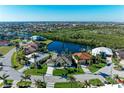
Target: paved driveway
84 77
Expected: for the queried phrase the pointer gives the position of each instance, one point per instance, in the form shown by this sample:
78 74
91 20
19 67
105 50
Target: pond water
65 47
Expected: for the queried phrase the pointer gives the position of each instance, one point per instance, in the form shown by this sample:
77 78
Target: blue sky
61 13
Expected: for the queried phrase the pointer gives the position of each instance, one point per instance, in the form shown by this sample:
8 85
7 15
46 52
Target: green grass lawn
24 84
60 72
9 81
96 82
95 67
16 40
47 41
15 63
67 85
36 71
5 49
1 84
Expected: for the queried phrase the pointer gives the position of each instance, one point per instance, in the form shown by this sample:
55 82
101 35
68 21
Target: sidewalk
50 85
49 71
14 84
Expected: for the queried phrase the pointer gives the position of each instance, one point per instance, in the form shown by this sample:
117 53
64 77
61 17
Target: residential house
29 47
107 52
37 38
81 57
4 43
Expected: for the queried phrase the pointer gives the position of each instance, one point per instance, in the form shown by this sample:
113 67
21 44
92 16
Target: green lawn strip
67 85
95 67
110 80
36 71
96 82
60 72
24 84
9 82
47 41
16 40
15 63
1 85
5 49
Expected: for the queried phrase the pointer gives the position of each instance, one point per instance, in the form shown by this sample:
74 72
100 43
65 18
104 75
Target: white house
99 50
37 38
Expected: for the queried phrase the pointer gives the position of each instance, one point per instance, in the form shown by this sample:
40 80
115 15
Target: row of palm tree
38 83
84 84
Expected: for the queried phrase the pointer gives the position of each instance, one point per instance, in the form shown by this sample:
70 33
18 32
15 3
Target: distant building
24 35
37 38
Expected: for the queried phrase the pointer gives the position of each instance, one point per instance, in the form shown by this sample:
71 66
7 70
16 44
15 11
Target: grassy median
15 62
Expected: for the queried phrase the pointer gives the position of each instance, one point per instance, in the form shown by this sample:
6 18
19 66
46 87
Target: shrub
24 84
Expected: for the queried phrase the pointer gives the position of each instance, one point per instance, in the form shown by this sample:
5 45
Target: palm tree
116 77
17 45
26 77
1 68
40 84
71 79
4 78
34 56
87 84
80 84
24 61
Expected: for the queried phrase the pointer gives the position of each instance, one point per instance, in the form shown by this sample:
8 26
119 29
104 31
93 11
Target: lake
61 47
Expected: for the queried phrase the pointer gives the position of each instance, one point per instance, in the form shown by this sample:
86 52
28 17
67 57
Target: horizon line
66 21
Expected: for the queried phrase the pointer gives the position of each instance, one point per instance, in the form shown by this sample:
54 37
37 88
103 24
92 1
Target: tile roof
83 56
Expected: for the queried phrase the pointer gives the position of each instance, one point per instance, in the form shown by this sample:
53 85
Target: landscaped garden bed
66 71
9 82
36 71
24 84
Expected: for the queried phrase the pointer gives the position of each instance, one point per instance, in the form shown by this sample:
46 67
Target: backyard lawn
5 49
15 63
67 85
67 71
95 67
35 71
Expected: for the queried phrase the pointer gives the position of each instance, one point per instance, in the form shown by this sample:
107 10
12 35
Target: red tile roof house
4 43
30 47
81 57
